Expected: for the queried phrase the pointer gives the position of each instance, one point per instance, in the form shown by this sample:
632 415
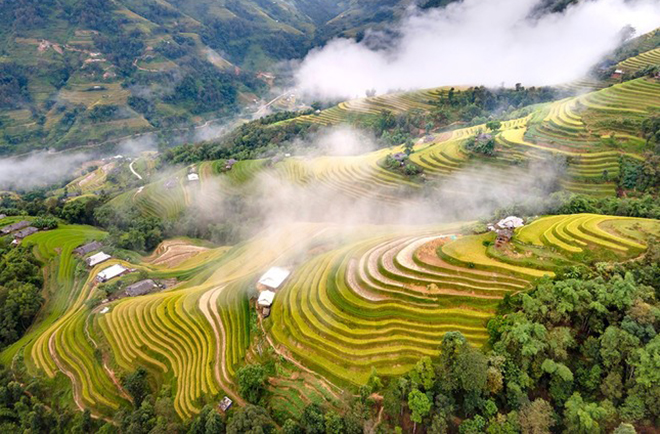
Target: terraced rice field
395 103
574 233
195 335
641 61
161 200
58 342
357 298
386 301
636 96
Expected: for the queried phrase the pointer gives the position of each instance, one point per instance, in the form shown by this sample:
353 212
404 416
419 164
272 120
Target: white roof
105 310
266 298
618 71
511 222
193 177
97 259
274 277
111 272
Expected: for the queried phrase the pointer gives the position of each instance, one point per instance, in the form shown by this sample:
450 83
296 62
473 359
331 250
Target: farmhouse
505 228
230 163
2 216
140 288
225 404
14 227
273 278
266 298
87 248
192 177
94 260
25 232
111 273
400 157
18 236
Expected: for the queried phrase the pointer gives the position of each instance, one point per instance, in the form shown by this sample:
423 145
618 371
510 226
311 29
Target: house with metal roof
111 272
266 298
96 259
273 278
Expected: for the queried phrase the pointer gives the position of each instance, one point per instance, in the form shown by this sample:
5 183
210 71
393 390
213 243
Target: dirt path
61 367
208 299
104 357
327 384
130 166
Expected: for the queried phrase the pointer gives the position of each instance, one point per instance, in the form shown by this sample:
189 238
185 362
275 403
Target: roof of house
112 272
225 403
140 288
25 232
511 222
266 298
88 248
97 259
274 277
14 227
3 216
193 177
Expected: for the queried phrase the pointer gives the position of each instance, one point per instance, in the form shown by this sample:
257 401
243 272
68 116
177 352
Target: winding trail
327 384
206 301
130 166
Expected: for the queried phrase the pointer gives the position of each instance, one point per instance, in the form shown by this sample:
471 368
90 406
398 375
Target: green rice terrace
357 298
590 134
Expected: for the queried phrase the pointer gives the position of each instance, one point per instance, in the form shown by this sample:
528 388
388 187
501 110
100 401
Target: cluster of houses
505 229
19 230
138 288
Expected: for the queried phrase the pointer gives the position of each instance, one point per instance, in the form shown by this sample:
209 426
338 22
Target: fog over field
475 42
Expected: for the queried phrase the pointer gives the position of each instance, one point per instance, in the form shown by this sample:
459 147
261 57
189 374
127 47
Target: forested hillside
79 72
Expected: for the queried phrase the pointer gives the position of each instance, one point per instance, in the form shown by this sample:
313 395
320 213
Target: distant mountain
81 72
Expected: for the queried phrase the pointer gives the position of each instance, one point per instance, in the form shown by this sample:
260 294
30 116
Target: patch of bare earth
173 252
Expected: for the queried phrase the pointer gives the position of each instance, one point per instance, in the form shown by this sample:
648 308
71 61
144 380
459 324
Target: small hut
20 235
87 248
225 404
14 227
505 229
140 288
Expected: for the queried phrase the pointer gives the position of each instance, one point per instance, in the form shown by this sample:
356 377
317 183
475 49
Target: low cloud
343 141
271 199
475 42
37 170
136 145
